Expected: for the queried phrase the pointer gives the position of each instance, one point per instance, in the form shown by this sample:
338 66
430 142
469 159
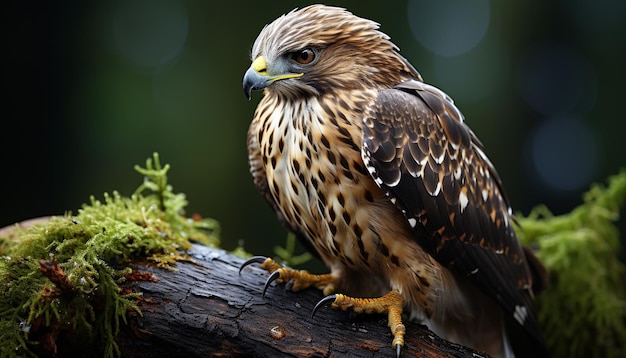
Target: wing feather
422 155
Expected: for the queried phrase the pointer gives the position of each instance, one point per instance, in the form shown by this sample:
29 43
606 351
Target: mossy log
206 308
203 307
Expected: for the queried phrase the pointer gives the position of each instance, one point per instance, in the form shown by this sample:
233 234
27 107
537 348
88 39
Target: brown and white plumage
377 173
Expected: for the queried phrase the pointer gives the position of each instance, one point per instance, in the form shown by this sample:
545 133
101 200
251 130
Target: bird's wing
432 167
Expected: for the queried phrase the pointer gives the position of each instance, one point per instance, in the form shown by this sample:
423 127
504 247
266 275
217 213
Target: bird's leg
300 279
391 303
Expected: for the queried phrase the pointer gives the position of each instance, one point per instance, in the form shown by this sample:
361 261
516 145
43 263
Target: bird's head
321 49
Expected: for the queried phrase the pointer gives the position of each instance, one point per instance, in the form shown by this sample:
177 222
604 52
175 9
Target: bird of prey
378 174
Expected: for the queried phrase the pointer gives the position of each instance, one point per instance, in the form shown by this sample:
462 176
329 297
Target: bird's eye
304 56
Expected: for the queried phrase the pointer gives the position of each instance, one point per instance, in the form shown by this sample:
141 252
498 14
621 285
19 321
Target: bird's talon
273 277
398 350
322 302
252 260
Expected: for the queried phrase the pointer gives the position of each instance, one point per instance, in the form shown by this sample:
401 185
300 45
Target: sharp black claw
398 350
322 302
273 277
252 260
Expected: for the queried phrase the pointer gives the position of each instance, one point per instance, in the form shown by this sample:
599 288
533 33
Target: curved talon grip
273 277
322 302
252 260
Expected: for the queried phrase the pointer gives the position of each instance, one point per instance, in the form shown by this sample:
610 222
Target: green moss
62 276
287 256
583 313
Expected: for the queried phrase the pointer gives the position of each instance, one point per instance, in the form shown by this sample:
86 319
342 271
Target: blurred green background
92 88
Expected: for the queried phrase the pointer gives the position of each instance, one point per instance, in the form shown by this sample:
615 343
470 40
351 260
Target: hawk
377 173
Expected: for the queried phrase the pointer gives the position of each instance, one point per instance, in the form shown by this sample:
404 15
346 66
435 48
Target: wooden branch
207 309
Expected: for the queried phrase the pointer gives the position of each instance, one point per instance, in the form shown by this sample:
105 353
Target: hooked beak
257 77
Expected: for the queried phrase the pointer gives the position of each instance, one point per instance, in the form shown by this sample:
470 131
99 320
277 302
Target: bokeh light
555 79
474 75
448 28
150 33
561 85
564 153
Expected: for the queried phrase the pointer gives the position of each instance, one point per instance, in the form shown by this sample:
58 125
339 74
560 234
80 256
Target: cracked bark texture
206 309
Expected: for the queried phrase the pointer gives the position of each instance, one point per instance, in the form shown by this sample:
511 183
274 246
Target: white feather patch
457 173
520 314
437 189
463 201
440 158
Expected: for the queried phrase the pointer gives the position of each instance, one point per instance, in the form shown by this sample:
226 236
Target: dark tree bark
206 308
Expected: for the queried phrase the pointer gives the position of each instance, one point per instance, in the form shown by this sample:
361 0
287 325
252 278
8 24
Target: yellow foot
300 279
391 303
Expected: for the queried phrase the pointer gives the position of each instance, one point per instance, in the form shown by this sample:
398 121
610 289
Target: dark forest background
92 88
